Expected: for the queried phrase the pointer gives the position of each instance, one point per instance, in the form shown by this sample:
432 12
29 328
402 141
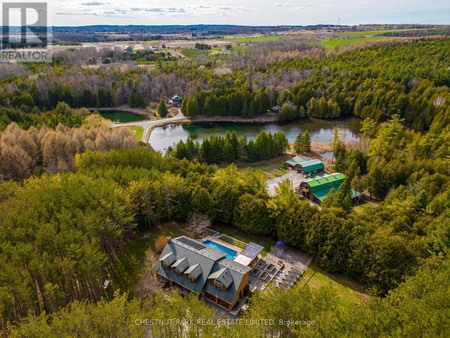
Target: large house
315 189
193 266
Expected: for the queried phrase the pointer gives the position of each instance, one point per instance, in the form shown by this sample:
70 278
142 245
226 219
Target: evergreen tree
340 154
298 143
184 105
202 202
251 111
329 199
251 215
288 112
210 108
192 109
306 142
242 151
343 198
244 112
162 109
228 152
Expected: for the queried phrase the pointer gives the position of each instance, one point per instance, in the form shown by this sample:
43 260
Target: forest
410 79
75 193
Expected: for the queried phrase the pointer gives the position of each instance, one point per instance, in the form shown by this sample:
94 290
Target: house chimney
169 239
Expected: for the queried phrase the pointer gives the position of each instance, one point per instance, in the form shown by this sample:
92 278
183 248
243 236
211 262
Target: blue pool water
230 253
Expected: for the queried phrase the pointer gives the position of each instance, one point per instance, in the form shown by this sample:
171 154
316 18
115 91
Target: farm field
331 43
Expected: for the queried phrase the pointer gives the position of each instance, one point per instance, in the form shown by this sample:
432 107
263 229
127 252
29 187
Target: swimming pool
230 253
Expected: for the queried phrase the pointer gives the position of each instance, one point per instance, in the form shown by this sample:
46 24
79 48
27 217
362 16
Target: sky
248 12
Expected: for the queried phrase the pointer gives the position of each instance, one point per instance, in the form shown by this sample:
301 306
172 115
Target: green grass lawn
350 292
193 52
139 131
129 266
233 241
244 237
272 168
331 43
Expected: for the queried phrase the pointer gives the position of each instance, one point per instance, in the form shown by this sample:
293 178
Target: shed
311 167
177 99
294 162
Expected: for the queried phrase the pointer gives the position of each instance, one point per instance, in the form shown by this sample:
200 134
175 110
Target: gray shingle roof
237 272
181 264
223 276
168 258
194 271
202 262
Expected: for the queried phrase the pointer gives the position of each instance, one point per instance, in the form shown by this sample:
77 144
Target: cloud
159 10
94 3
287 4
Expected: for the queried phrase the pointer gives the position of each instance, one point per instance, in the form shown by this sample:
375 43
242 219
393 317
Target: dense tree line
30 152
27 118
217 149
238 101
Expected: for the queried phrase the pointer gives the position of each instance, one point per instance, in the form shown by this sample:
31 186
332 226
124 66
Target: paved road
149 124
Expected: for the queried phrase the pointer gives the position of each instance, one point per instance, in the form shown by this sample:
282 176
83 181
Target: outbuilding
294 163
177 99
311 167
317 188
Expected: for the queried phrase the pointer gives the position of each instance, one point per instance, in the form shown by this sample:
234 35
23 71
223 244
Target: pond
319 130
122 116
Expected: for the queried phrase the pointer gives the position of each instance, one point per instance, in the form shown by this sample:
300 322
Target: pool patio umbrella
280 244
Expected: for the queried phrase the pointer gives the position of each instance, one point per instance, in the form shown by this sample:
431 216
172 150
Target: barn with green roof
294 162
315 189
305 166
311 167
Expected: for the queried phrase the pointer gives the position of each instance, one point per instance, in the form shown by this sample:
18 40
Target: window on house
189 277
165 266
178 272
218 284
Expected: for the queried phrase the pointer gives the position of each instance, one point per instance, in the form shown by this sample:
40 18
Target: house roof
194 271
168 258
177 97
223 275
313 165
321 185
296 160
202 262
181 264
237 272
